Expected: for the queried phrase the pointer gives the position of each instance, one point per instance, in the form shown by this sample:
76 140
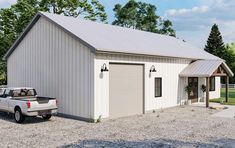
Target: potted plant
221 101
203 89
188 89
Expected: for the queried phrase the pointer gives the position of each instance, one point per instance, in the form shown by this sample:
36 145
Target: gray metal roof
109 38
204 68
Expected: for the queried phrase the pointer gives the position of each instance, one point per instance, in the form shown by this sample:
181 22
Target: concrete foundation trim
76 117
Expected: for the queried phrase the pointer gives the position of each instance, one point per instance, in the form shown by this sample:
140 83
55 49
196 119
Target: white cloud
227 29
7 3
174 12
193 25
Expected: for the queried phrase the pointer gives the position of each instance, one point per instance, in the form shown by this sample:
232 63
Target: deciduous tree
142 16
230 58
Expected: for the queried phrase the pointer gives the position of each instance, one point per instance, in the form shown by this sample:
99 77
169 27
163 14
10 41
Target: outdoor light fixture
152 69
104 68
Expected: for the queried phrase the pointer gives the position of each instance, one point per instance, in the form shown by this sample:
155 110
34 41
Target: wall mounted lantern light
104 68
152 69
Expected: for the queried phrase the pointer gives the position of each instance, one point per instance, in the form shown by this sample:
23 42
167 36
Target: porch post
226 89
207 91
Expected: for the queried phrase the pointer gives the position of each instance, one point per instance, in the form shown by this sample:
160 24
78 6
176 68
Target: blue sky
192 19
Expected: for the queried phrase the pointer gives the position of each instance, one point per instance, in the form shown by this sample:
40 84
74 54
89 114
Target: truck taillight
28 104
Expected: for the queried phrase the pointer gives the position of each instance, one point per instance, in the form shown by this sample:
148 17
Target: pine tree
215 44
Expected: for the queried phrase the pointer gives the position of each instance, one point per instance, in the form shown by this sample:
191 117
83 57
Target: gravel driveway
175 127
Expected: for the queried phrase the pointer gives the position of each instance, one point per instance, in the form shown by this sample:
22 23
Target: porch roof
205 68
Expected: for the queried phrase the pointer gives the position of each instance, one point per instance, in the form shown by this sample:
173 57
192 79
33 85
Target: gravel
186 126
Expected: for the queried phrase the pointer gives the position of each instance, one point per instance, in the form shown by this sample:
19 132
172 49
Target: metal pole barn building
99 70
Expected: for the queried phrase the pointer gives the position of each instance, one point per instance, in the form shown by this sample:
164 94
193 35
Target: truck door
1 98
4 100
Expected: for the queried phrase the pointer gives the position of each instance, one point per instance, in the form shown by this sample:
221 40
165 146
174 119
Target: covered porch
209 70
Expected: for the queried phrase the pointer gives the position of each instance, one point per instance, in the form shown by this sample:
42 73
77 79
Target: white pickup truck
24 102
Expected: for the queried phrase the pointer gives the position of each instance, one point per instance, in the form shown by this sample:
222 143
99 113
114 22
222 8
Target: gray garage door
126 90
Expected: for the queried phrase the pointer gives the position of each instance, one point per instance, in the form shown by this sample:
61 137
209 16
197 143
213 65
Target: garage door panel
126 90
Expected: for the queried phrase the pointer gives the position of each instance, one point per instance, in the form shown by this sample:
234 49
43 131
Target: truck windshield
23 92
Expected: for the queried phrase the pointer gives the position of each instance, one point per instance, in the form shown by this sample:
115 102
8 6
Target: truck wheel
19 117
46 117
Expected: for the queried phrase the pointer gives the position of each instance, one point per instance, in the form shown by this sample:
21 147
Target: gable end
30 26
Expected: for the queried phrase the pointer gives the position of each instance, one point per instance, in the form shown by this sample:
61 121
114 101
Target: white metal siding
57 65
169 69
212 94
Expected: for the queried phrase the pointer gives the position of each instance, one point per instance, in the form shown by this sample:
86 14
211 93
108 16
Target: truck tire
46 117
19 117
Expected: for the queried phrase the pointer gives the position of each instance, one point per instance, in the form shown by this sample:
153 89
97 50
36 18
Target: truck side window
7 92
1 92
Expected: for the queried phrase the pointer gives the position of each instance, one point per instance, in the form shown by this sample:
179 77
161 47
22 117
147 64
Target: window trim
210 89
157 96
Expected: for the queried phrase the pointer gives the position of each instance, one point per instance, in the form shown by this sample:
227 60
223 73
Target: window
212 83
2 91
7 92
23 92
158 87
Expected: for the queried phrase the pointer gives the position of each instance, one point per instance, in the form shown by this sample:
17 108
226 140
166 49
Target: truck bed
40 100
31 98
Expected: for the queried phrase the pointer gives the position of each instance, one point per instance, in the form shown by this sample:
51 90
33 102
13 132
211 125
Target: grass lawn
231 99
